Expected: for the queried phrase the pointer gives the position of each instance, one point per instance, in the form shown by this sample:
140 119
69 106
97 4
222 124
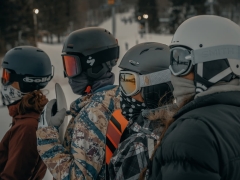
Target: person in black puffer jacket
202 142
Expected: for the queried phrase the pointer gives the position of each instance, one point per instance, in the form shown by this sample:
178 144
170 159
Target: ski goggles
131 82
180 64
8 77
74 64
183 59
5 77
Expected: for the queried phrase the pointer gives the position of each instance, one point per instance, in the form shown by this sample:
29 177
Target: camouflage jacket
82 155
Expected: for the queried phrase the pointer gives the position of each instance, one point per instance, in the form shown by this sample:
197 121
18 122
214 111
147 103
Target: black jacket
203 143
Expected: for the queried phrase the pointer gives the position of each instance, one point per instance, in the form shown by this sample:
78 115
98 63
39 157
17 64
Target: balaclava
183 88
80 82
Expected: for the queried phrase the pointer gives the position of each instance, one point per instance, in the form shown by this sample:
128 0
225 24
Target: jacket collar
227 98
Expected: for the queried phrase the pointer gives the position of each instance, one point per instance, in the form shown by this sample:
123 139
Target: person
145 85
202 141
26 70
88 57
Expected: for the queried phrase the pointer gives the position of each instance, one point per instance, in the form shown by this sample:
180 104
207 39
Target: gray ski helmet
29 66
146 58
94 43
214 43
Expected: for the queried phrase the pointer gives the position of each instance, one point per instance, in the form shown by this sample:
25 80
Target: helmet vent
159 49
70 46
5 62
145 50
18 49
39 50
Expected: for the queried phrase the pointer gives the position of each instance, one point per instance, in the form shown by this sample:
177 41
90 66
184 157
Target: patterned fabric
131 108
82 155
132 154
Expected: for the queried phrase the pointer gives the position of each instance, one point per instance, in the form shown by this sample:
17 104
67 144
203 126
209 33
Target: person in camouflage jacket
82 154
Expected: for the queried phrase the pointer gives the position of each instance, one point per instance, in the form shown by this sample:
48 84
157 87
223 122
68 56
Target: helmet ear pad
157 95
203 72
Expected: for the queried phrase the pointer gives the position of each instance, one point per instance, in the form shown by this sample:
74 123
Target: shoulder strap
116 126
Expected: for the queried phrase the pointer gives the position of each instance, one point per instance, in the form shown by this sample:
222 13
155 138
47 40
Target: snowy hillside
125 33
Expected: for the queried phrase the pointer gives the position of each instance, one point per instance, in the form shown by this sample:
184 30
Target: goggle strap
155 78
215 53
220 75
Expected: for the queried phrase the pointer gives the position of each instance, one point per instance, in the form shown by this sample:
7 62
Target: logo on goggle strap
134 62
90 61
36 79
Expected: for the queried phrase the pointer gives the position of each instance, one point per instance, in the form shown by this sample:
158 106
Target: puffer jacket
203 142
19 158
82 155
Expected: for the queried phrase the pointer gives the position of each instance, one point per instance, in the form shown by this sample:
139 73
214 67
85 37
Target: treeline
56 18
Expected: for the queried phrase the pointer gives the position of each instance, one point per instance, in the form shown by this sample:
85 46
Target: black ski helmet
31 65
91 41
146 58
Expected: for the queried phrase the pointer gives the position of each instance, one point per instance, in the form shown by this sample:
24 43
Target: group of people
174 115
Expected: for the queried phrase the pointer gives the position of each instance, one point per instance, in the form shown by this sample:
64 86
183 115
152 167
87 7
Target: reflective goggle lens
5 77
70 65
179 63
127 82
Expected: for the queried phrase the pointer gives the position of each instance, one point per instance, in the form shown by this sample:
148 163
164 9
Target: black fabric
79 83
131 109
203 142
157 95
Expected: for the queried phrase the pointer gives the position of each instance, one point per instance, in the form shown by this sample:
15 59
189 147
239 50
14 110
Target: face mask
78 83
131 108
11 94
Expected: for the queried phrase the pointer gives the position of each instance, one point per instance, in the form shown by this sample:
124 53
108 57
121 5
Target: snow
125 33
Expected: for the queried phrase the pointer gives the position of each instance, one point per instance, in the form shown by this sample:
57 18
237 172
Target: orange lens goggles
71 65
128 83
5 77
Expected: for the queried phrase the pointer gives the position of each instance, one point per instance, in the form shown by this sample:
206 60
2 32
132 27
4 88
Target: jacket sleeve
22 154
85 157
188 151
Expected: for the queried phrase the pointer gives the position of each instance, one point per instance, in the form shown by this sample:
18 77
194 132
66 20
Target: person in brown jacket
26 70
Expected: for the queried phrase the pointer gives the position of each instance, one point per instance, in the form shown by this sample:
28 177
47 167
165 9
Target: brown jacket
19 158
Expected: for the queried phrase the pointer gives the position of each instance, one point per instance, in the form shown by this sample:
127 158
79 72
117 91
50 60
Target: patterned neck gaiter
131 108
11 95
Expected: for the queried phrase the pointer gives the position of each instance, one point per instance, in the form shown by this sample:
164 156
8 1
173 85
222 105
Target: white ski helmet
212 45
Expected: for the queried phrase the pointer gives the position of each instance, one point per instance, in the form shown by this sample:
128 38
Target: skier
145 85
203 141
88 57
26 70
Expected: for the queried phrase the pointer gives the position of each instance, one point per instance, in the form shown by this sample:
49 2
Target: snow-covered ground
127 34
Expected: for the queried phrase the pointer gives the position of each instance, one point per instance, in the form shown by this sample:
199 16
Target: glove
50 116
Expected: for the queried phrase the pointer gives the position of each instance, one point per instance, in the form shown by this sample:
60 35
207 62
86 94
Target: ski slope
125 33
